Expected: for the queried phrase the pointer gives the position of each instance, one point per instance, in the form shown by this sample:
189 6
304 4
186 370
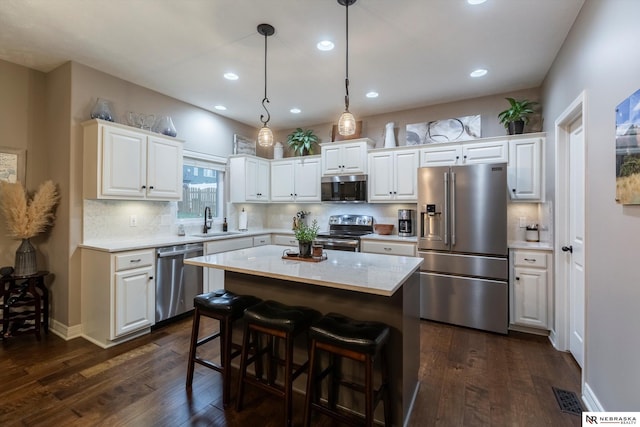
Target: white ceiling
413 52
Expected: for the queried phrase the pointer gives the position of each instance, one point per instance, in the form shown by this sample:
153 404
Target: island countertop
367 273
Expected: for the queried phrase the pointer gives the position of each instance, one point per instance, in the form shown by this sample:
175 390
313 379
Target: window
202 186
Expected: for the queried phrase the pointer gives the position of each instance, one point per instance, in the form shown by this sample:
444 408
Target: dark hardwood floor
468 378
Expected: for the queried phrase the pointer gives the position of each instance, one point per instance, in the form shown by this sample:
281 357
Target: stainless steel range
345 231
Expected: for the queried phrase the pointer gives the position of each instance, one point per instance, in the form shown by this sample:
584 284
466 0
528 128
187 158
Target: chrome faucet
207 224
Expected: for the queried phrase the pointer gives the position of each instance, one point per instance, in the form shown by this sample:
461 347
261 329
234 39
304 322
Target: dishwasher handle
169 252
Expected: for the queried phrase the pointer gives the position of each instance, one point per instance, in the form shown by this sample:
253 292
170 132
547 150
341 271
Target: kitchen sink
216 234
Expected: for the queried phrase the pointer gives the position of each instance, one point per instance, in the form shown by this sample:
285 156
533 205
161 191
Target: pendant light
347 123
265 136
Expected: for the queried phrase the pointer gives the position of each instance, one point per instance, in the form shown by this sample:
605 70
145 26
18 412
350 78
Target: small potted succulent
302 141
305 234
517 115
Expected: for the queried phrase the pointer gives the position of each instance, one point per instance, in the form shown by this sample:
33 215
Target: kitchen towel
243 221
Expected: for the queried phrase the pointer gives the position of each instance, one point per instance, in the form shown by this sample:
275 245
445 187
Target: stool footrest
207 339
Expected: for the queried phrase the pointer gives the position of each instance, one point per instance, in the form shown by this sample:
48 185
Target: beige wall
373 127
599 58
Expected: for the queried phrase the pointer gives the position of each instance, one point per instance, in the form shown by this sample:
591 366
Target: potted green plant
517 115
305 234
302 141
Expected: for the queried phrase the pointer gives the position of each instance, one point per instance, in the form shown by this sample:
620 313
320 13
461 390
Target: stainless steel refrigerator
462 237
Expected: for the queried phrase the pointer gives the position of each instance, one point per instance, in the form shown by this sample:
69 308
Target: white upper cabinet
296 179
524 172
346 158
464 153
121 162
249 179
393 175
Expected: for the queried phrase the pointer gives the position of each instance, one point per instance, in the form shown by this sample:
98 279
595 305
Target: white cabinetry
118 295
345 158
213 278
296 179
524 172
264 239
285 240
464 153
249 179
121 162
387 247
531 295
393 175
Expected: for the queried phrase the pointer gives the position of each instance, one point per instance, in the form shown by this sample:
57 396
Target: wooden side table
31 295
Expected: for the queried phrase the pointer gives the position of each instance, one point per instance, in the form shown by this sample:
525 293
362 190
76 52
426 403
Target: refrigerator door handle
446 208
453 208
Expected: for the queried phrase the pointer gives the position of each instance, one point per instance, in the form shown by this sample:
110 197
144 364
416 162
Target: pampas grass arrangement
26 218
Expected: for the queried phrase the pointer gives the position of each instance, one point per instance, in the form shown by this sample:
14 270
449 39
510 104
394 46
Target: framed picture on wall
12 165
243 145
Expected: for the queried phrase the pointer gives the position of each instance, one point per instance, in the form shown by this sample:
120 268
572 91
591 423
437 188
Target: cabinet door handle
517 278
150 277
291 194
144 186
151 187
513 190
530 259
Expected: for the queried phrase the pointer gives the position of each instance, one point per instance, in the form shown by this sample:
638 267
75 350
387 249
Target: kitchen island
362 286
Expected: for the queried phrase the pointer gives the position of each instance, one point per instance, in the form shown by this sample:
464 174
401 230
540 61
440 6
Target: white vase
389 135
278 150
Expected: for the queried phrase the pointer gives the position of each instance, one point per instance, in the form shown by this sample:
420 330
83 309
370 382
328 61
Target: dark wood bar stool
276 321
341 336
226 307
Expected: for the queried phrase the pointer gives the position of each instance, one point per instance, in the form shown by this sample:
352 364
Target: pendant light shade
265 136
346 123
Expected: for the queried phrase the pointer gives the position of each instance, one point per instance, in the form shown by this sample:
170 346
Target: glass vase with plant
302 141
305 234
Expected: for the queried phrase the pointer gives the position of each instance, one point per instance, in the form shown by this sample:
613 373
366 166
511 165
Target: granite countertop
522 244
118 245
356 271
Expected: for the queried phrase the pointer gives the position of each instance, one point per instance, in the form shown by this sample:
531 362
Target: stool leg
225 357
334 380
387 392
192 346
271 357
368 391
311 395
243 366
288 386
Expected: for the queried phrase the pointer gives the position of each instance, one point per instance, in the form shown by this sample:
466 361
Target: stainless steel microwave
344 188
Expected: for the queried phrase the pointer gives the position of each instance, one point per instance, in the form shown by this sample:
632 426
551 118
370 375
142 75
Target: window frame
217 163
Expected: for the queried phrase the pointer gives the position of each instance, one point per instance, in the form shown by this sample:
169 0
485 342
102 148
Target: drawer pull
136 260
530 259
387 249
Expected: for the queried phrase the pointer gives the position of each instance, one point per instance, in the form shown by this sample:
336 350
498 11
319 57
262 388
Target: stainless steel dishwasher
176 283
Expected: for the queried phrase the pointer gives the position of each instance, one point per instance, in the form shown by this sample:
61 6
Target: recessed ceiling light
231 76
372 94
325 45
295 110
474 2
479 72
220 107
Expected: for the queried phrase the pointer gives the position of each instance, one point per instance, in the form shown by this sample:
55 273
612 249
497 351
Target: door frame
560 334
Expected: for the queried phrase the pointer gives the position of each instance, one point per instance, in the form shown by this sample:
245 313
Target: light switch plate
133 221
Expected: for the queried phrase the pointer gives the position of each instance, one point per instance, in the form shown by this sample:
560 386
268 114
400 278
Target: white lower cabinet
530 290
387 247
213 278
118 295
284 240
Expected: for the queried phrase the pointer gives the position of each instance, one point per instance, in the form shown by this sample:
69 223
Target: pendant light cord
346 80
264 122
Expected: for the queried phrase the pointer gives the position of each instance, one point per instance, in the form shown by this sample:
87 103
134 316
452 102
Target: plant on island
307 233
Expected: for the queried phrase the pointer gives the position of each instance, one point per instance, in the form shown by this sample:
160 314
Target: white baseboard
590 400
65 332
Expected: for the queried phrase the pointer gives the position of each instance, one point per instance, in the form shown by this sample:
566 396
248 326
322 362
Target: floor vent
568 401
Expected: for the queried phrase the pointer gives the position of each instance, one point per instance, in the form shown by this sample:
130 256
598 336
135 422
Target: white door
164 169
380 176
576 237
406 175
307 180
134 301
124 164
282 180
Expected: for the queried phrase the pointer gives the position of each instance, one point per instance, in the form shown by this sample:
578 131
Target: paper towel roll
243 221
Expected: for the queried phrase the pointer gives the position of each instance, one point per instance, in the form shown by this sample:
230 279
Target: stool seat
356 335
273 314
225 303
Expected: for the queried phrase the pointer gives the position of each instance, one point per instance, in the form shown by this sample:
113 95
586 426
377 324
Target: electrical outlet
133 221
523 221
